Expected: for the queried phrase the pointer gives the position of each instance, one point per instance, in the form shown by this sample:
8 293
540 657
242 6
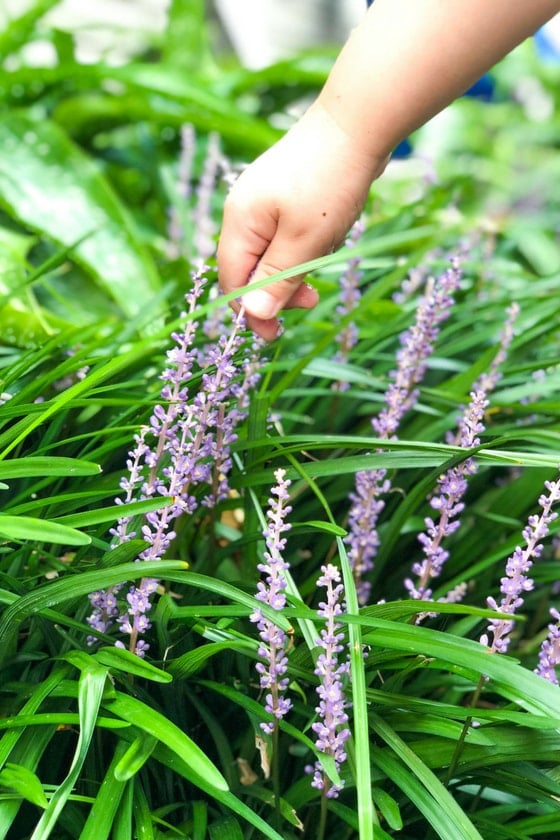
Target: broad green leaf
327 527
13 251
40 465
26 326
165 86
90 694
203 772
42 530
112 513
25 783
388 808
135 757
27 753
51 186
57 719
124 661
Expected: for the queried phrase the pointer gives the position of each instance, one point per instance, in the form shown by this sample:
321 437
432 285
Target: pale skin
402 64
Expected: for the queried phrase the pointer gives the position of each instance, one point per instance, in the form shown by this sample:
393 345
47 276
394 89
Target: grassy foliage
447 740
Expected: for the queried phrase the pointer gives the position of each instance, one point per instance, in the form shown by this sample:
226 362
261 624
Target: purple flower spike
417 344
447 504
447 501
331 728
271 591
517 581
186 444
549 655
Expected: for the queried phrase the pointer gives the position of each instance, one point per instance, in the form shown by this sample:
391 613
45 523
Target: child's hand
294 203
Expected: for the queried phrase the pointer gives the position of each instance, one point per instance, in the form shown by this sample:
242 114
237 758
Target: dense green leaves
101 214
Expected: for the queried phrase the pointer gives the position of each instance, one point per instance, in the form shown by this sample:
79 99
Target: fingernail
261 304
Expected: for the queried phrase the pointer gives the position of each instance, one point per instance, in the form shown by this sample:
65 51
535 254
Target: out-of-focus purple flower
175 231
549 654
204 224
274 641
417 344
412 283
349 299
191 230
488 380
517 581
331 727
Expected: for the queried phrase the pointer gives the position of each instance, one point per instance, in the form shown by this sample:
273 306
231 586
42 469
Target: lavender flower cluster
331 727
447 501
182 455
417 344
274 641
516 580
549 654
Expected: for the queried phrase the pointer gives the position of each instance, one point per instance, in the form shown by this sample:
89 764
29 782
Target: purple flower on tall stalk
516 580
488 380
417 344
452 486
191 446
349 299
447 504
549 654
331 727
274 641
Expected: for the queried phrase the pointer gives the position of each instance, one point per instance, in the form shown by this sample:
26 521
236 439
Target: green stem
464 732
276 774
323 817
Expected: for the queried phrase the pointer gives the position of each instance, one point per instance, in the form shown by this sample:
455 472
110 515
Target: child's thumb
268 301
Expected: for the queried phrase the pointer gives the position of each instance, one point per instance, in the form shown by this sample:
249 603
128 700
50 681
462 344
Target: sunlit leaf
27 528
55 189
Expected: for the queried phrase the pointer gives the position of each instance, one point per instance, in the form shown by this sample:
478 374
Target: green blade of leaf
135 757
38 465
90 694
24 783
443 805
40 530
203 772
102 813
122 660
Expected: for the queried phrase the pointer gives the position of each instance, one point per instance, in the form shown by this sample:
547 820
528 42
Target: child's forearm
408 59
